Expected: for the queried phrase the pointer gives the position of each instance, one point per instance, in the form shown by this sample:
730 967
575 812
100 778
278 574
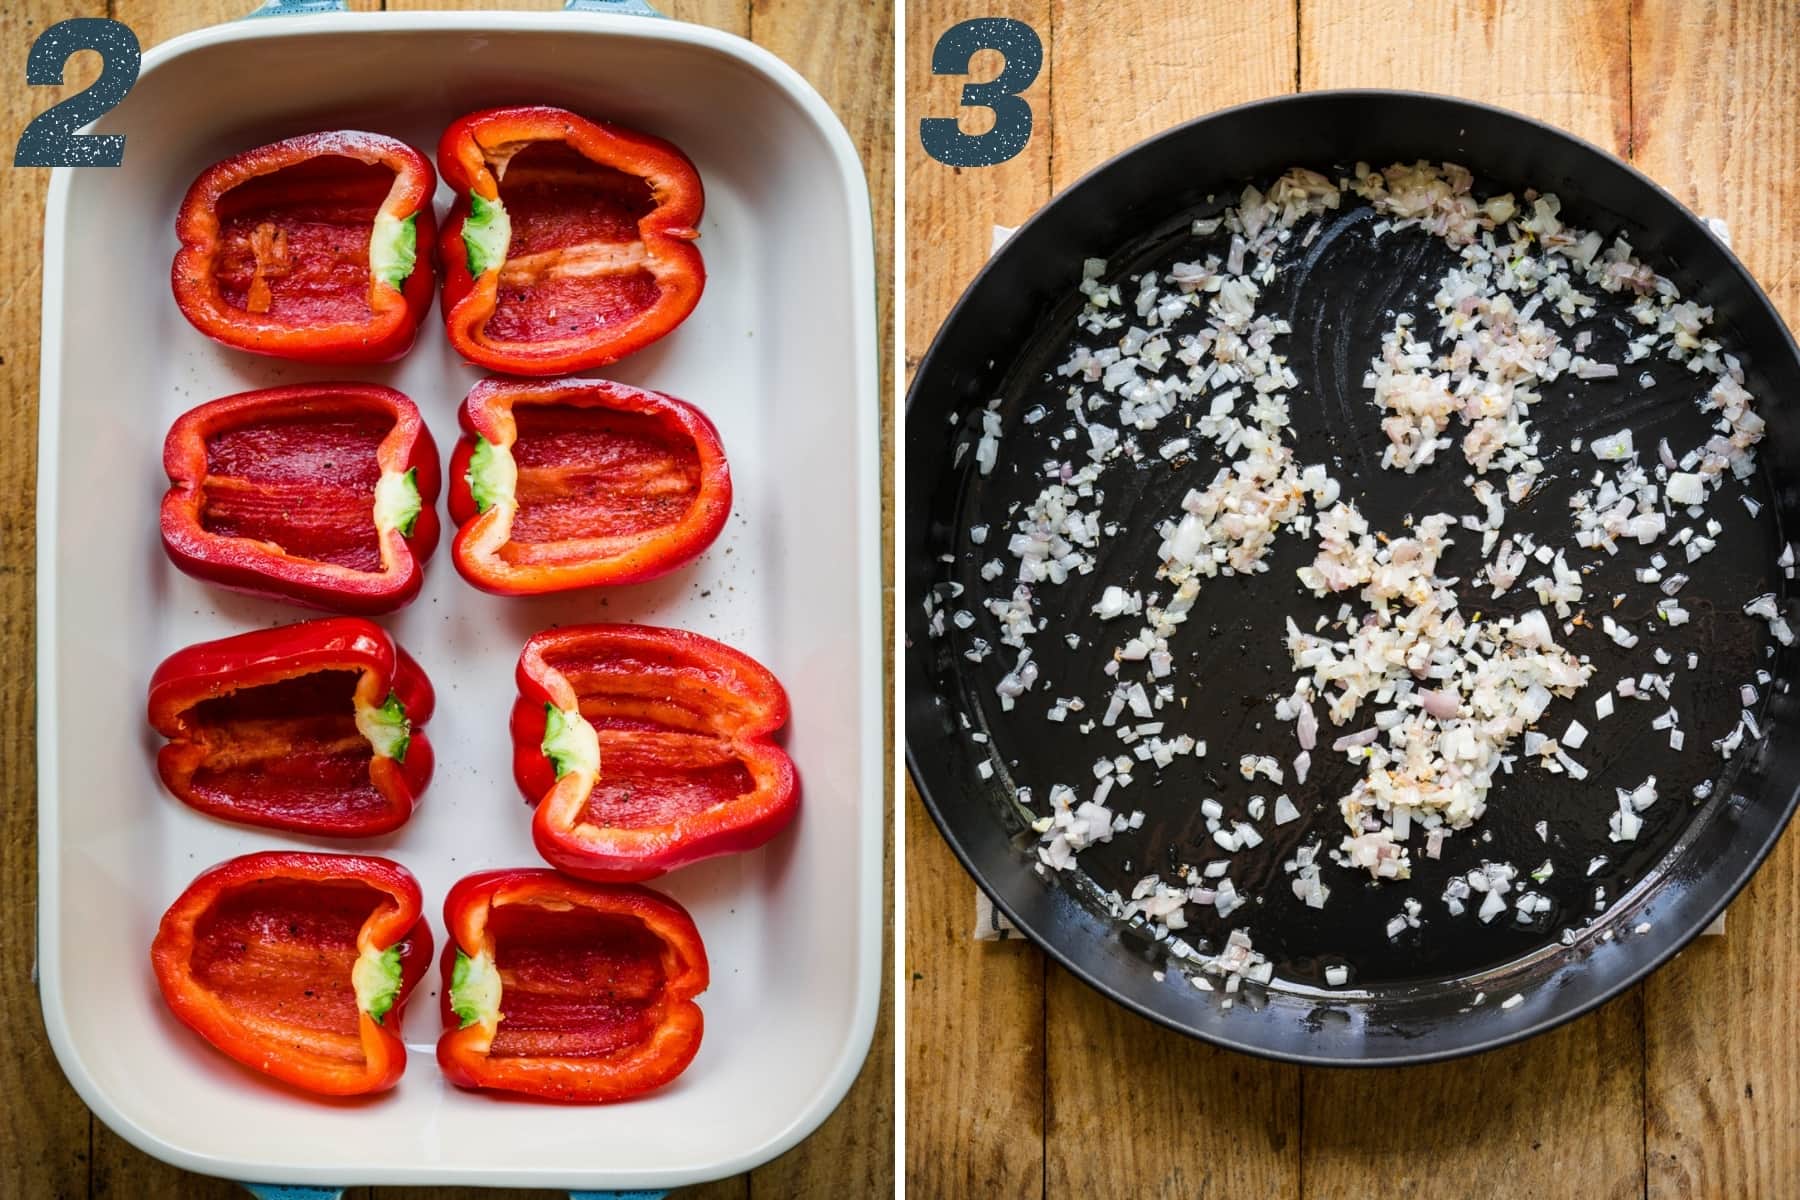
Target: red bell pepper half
580 483
313 728
298 965
323 494
310 248
646 749
566 990
570 244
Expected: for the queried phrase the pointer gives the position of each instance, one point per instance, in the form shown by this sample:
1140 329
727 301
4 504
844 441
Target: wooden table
50 1146
1022 1081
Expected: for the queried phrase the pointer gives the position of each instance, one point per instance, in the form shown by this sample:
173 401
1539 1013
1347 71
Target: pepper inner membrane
668 746
288 751
279 953
305 483
599 474
575 264
294 244
574 984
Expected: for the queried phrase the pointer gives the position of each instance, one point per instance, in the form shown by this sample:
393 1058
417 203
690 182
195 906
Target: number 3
50 140
1024 54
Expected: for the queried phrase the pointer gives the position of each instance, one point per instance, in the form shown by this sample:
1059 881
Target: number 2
50 140
1024 54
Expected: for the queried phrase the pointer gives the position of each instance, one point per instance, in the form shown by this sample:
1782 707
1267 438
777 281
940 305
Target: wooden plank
1721 1059
1716 107
1716 120
975 1050
1176 1118
974 1037
1141 68
1514 1129
44 1126
950 211
1562 62
1561 1115
1126 1099
123 1172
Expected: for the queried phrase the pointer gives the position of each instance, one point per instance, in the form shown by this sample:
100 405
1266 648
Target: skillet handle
631 8
295 8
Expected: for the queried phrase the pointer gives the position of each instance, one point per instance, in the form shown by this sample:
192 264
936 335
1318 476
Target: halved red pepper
570 244
566 990
298 965
580 483
324 494
645 749
310 248
313 728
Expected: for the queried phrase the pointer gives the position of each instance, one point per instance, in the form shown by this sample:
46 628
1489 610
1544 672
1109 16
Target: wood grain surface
1021 1080
975 1022
1716 119
50 1146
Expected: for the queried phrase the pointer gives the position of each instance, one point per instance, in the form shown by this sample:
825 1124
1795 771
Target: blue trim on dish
630 8
291 8
295 8
615 1195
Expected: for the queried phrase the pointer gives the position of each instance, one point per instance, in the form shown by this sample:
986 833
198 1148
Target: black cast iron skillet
1412 998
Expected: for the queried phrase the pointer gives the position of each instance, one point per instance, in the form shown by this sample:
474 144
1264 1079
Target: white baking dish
781 353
